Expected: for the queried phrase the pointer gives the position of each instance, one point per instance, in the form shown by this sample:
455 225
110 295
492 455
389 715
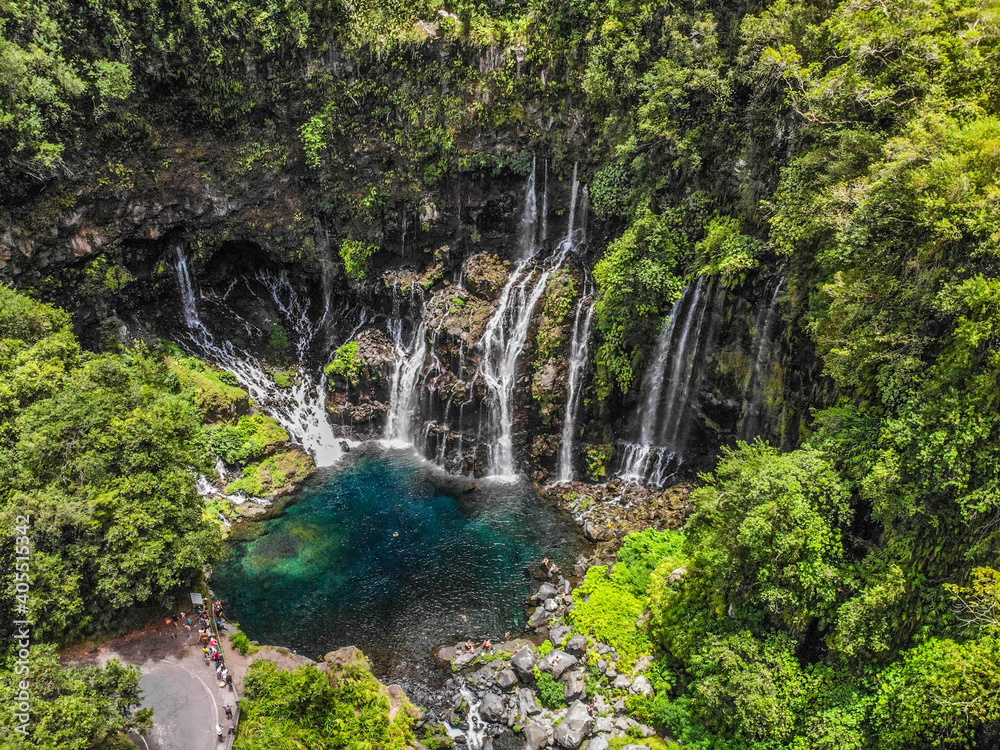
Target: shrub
551 692
241 642
347 363
355 256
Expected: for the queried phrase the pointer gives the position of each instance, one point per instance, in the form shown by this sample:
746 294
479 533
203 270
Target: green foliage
598 460
645 551
560 294
347 364
727 252
242 643
215 392
275 473
609 605
938 693
356 255
98 450
252 437
284 710
277 339
639 280
72 707
609 190
551 692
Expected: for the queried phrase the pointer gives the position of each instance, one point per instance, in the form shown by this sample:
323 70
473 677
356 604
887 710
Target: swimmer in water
395 533
464 617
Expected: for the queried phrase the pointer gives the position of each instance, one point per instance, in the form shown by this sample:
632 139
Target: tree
72 707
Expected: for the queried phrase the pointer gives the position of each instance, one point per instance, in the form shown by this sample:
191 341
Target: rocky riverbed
558 689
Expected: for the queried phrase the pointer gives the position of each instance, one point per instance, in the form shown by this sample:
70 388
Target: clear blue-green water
376 555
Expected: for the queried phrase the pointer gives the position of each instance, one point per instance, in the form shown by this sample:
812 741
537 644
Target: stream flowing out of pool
384 555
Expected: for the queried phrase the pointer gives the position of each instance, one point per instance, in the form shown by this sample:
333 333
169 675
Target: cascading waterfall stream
501 346
475 735
527 246
579 349
300 408
669 386
403 398
753 395
506 332
413 399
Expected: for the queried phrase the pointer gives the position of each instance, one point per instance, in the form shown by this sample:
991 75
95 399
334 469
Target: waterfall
501 346
578 351
753 394
670 385
188 304
475 735
569 241
300 408
405 380
529 217
545 207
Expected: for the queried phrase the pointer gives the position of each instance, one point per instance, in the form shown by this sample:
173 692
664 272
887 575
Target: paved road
177 684
187 705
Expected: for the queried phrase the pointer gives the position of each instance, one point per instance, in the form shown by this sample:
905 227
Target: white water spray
578 350
403 394
300 408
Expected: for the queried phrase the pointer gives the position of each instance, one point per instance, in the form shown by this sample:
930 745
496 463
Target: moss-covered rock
277 475
215 392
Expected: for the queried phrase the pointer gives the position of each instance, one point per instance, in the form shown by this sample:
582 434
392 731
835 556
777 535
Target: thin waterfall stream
670 385
299 408
578 352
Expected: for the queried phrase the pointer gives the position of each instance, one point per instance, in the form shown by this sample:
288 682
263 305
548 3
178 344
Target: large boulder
545 591
622 682
539 617
536 736
642 686
492 709
577 645
576 687
507 679
523 663
557 662
574 727
527 703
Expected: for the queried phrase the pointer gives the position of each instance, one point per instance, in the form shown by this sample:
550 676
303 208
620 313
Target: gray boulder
527 703
575 687
523 662
622 681
558 633
539 617
577 725
507 679
642 686
604 724
577 645
536 736
492 709
599 743
557 662
545 591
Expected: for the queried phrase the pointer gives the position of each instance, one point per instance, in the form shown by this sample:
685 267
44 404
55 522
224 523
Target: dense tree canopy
819 598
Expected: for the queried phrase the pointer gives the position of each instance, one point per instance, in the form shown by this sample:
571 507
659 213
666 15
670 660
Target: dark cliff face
103 244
